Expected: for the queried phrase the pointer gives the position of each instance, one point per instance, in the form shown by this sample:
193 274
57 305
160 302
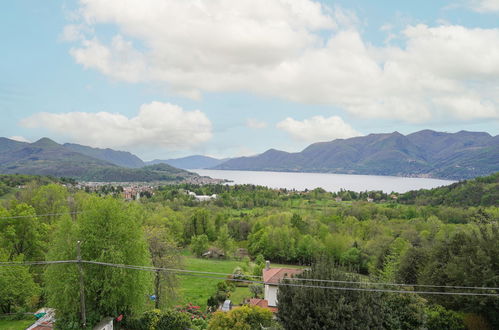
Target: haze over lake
327 181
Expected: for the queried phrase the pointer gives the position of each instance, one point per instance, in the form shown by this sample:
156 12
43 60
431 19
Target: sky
225 78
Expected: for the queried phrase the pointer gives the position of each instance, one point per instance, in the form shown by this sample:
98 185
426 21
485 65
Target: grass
237 297
15 325
197 290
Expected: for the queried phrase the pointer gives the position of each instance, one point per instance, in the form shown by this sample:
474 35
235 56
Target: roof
275 275
44 326
262 303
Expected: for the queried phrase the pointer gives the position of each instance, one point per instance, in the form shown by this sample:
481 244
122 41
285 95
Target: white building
272 277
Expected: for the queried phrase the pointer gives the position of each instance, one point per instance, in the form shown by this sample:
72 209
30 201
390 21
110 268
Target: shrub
241 318
173 320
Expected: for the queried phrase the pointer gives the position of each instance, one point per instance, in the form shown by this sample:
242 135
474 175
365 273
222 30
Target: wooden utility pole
157 289
82 288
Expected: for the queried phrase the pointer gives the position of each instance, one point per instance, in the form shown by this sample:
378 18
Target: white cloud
256 124
19 138
317 128
297 50
157 124
484 6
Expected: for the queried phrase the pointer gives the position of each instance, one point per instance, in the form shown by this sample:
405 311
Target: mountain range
425 153
190 162
46 157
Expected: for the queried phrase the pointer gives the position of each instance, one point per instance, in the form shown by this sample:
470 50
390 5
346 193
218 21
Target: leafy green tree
199 223
439 318
109 231
22 235
224 241
298 223
199 244
469 258
50 199
242 318
18 291
313 308
256 290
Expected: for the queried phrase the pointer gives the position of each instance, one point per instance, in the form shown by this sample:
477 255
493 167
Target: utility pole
157 289
82 288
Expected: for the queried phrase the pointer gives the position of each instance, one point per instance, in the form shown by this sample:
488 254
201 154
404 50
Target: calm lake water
327 181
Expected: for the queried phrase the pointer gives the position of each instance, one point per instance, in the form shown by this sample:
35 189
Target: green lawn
197 290
237 297
15 325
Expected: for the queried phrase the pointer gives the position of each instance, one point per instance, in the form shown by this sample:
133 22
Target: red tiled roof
44 326
275 275
262 303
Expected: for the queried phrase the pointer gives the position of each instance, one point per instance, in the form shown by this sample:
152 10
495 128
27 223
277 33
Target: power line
31 263
302 279
195 273
41 215
206 275
394 284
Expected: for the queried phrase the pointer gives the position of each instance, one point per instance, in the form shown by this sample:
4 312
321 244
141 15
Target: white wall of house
271 294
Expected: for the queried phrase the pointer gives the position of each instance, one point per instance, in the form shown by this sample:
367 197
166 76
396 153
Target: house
202 198
272 277
262 303
45 319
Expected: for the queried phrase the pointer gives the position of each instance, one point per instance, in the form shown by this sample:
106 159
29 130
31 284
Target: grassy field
15 325
197 290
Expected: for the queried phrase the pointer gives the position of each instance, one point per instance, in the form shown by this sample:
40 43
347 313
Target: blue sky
171 78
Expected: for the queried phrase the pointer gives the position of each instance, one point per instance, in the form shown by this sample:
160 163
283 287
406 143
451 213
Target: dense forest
444 237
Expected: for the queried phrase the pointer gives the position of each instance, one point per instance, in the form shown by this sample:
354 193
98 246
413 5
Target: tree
22 235
468 258
312 308
440 318
199 244
173 320
109 231
50 199
256 290
224 241
18 291
165 254
242 318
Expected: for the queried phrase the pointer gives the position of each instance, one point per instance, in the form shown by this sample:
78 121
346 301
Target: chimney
267 265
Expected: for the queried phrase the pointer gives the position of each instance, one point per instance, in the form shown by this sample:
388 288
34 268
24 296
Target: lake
327 181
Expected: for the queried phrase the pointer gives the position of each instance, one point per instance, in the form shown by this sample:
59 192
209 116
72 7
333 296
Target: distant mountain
46 157
120 158
190 162
425 154
7 145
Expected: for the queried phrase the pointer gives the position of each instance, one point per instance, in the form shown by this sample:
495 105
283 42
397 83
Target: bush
173 320
440 318
241 318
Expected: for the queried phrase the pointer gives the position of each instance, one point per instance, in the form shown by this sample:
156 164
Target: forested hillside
482 191
46 157
425 153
